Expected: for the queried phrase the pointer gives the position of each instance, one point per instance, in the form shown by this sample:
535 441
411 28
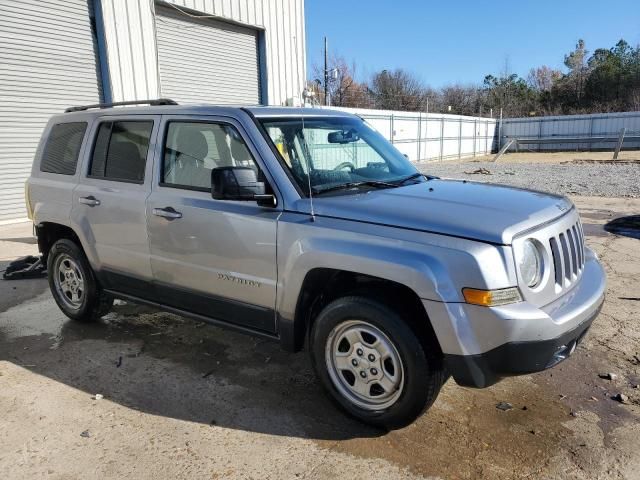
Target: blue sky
461 41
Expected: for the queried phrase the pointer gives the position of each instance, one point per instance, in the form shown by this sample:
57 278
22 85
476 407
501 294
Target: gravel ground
588 178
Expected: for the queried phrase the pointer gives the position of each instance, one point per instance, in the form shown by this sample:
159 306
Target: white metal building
59 53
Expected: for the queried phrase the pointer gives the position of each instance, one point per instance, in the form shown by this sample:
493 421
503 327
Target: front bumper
482 345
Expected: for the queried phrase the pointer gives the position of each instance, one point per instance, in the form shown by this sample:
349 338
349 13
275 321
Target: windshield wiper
411 177
344 186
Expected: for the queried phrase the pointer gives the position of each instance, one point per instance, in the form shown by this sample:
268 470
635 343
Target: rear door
212 257
109 201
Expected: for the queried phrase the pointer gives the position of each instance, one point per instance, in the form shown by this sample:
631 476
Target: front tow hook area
565 351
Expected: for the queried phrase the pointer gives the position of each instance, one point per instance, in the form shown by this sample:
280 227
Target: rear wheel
73 283
373 364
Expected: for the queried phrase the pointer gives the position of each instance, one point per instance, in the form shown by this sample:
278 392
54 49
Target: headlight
530 264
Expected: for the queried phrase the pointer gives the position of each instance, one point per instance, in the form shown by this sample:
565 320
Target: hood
480 211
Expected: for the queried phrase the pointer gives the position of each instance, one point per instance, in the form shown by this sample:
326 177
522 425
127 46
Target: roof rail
154 102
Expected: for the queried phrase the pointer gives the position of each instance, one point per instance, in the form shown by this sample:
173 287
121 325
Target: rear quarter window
62 147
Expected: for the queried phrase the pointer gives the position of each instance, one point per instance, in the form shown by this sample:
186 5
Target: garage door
47 63
206 61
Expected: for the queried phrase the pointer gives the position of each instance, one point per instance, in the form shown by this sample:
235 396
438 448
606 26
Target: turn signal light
491 298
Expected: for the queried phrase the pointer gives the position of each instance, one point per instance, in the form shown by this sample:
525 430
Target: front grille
567 250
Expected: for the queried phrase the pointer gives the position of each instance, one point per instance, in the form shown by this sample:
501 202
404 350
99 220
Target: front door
109 204
212 257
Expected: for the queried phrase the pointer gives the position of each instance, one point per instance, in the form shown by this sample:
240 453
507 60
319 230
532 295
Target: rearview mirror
238 183
343 136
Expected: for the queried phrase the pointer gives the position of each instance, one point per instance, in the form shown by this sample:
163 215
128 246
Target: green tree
613 77
511 93
573 83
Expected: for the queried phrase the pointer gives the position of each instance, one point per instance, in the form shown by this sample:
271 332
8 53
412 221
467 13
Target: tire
392 396
73 283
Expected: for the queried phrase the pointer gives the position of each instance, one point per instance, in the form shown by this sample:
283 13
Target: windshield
338 153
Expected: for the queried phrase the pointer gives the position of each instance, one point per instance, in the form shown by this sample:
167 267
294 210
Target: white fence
432 136
573 126
436 136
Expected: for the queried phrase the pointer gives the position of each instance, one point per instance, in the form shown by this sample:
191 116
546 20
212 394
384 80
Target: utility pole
326 74
500 131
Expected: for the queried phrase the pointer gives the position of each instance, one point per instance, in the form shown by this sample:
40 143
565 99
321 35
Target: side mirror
239 183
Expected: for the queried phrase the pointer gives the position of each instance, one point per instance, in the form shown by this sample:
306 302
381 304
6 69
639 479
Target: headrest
123 150
239 151
192 143
124 161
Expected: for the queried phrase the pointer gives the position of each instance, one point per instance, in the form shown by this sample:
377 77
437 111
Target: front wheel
373 364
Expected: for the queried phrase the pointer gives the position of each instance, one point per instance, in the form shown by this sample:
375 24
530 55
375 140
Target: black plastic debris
504 406
25 267
626 226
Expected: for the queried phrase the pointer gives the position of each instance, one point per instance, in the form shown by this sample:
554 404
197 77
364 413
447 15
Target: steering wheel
344 165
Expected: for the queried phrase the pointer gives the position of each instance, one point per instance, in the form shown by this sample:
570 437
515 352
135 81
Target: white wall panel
131 42
47 63
131 49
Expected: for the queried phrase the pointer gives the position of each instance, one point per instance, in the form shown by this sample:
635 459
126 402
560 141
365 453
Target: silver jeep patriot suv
307 227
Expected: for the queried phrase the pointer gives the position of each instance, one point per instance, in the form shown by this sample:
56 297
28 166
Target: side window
120 151
193 149
61 151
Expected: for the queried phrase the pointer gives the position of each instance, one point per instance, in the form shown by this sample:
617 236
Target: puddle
625 226
171 366
465 424
36 317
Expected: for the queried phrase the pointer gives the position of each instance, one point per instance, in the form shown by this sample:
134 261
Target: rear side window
61 151
120 151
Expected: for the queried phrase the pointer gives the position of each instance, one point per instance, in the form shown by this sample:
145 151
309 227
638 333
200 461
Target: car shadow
170 366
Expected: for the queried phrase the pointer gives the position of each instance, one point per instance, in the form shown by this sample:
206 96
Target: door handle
90 200
167 212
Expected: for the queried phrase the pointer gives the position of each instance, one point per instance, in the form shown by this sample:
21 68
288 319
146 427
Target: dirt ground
560 157
185 400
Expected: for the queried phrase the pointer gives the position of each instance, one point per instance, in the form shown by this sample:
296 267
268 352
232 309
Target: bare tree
543 78
343 89
463 100
397 90
634 99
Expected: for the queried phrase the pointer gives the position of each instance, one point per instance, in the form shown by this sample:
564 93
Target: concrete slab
17 240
